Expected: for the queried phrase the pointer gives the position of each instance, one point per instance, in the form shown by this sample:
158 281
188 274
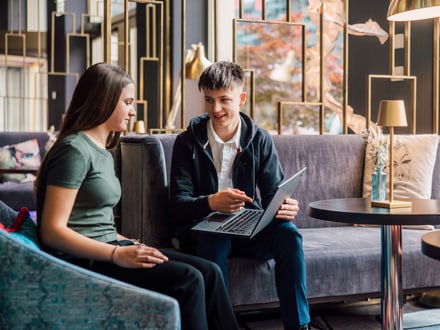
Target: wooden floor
359 316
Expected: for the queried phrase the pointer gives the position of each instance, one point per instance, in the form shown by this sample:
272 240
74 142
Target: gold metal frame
182 63
154 50
162 55
407 65
252 91
7 93
38 64
280 112
436 78
321 101
237 21
413 80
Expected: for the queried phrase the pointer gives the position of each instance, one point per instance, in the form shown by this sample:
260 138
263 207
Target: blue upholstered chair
39 291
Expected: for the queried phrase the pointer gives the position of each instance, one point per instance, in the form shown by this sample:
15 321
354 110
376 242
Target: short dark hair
221 74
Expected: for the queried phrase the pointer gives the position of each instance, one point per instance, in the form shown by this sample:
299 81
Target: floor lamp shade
412 10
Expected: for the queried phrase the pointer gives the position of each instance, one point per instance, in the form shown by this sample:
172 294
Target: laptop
249 222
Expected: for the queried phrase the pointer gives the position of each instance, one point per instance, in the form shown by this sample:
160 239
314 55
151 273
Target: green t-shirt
76 162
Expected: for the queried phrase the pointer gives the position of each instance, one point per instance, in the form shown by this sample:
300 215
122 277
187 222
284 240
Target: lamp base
391 204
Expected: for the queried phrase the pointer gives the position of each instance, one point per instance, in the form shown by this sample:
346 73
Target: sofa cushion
335 166
23 154
341 262
414 159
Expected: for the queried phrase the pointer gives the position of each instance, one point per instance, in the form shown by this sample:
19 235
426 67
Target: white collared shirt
224 154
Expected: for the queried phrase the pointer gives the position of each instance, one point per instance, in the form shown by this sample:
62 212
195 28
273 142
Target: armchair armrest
38 290
144 190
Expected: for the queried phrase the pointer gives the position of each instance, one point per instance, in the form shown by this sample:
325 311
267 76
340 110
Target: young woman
77 190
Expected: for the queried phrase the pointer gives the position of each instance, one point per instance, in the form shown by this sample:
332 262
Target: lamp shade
412 10
392 113
195 67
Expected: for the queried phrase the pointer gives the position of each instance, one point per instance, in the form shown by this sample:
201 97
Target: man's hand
228 200
288 210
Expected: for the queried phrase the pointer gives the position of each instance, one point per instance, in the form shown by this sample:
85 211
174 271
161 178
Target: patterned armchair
39 291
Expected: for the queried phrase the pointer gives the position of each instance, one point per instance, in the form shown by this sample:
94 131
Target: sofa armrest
38 290
144 190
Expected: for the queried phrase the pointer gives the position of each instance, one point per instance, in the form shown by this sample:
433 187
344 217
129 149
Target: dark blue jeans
280 241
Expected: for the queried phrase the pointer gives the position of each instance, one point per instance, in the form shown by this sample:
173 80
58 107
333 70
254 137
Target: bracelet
113 254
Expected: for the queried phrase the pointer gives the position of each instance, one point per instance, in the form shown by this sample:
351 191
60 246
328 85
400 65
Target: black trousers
197 284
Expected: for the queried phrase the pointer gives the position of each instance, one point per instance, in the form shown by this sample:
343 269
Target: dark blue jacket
194 177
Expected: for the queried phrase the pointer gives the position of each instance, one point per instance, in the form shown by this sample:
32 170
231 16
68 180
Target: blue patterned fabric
22 227
39 291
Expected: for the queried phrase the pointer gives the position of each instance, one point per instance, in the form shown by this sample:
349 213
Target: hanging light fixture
412 10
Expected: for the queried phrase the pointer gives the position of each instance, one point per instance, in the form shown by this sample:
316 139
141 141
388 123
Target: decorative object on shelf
378 185
139 127
195 63
412 10
195 66
391 114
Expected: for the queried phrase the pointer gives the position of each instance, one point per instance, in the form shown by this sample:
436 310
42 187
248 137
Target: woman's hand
137 256
288 210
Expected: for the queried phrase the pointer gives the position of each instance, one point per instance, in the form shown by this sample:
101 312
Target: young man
218 163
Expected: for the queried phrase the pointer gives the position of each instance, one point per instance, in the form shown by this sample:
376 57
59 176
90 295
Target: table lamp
391 114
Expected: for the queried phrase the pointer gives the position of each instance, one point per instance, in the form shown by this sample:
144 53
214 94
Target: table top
360 211
431 244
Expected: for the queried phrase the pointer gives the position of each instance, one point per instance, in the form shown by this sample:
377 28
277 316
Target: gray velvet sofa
17 195
343 261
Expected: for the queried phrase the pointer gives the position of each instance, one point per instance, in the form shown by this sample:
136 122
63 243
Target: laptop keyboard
242 224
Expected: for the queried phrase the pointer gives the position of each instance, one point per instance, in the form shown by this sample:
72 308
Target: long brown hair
94 99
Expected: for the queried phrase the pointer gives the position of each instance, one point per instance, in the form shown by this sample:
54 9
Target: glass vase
378 185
